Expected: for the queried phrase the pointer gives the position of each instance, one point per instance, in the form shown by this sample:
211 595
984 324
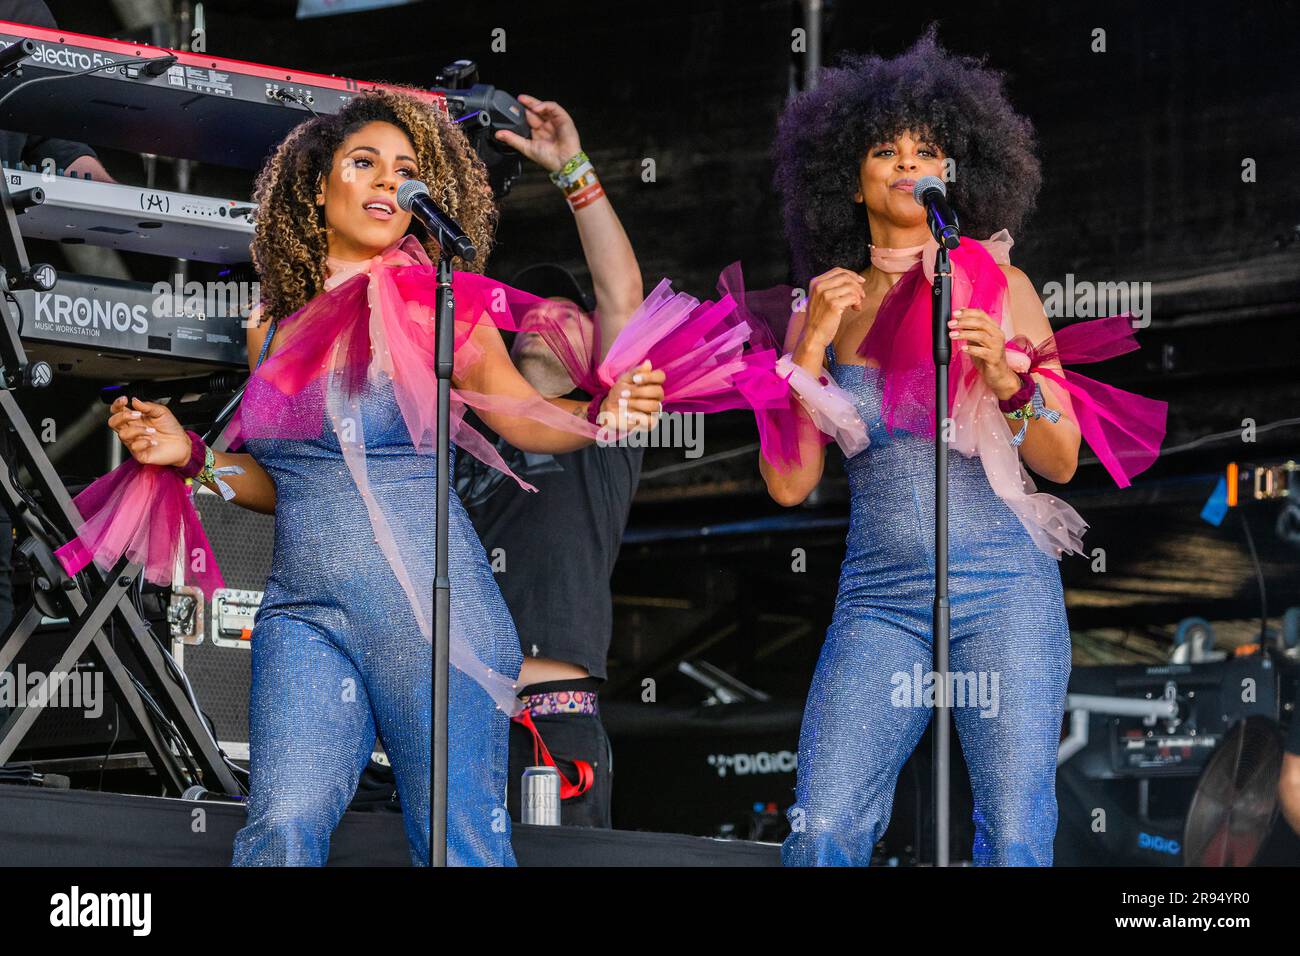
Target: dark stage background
1142 149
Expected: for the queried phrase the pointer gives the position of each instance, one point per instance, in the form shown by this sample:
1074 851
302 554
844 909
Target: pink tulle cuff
1124 429
145 513
699 346
830 407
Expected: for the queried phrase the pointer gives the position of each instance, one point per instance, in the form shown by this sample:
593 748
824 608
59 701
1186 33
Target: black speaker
85 721
726 770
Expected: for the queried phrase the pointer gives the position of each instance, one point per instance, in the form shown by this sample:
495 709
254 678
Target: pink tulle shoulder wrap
375 321
1123 429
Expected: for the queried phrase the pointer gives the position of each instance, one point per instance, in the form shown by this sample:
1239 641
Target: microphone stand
452 241
441 674
941 312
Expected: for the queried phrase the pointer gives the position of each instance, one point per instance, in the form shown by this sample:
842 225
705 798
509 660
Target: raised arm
615 274
807 337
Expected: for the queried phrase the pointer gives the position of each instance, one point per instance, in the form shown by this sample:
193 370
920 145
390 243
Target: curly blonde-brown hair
289 243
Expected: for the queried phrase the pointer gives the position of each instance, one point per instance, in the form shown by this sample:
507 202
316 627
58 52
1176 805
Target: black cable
117 714
1259 577
9 296
178 676
284 96
36 510
144 60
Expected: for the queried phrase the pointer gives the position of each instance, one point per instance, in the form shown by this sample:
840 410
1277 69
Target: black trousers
568 737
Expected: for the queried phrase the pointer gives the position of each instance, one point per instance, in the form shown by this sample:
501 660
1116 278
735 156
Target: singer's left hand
974 332
555 137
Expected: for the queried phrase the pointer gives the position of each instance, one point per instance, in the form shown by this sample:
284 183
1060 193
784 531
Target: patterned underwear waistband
561 702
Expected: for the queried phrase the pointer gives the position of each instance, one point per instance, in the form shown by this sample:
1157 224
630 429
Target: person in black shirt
554 551
77 159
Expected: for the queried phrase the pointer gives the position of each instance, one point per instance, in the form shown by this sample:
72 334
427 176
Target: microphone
413 197
930 192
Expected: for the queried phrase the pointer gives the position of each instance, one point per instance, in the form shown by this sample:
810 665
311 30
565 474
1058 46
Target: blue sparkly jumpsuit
1009 642
338 656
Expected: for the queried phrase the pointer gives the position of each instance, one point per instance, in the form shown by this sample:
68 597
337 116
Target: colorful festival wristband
586 197
1022 396
1034 408
563 176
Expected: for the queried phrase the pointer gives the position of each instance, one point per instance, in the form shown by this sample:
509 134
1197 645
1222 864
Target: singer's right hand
830 295
150 432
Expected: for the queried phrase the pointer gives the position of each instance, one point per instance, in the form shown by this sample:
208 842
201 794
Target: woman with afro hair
858 358
337 422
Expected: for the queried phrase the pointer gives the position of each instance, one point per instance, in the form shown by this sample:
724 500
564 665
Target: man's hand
89 164
555 139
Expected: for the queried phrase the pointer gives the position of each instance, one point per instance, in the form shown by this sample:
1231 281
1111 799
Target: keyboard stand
171 730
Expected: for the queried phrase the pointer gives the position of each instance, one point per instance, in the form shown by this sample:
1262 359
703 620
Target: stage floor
41 827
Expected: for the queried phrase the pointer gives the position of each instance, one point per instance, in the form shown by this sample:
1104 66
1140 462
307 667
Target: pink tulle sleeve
145 513
1122 428
781 403
831 408
702 348
1125 430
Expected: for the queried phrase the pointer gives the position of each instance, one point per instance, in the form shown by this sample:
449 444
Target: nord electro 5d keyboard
203 107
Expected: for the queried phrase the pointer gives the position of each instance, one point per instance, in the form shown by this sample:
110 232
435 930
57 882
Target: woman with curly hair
848 155
338 423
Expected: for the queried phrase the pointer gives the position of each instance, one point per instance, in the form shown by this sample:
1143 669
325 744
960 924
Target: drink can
539 796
